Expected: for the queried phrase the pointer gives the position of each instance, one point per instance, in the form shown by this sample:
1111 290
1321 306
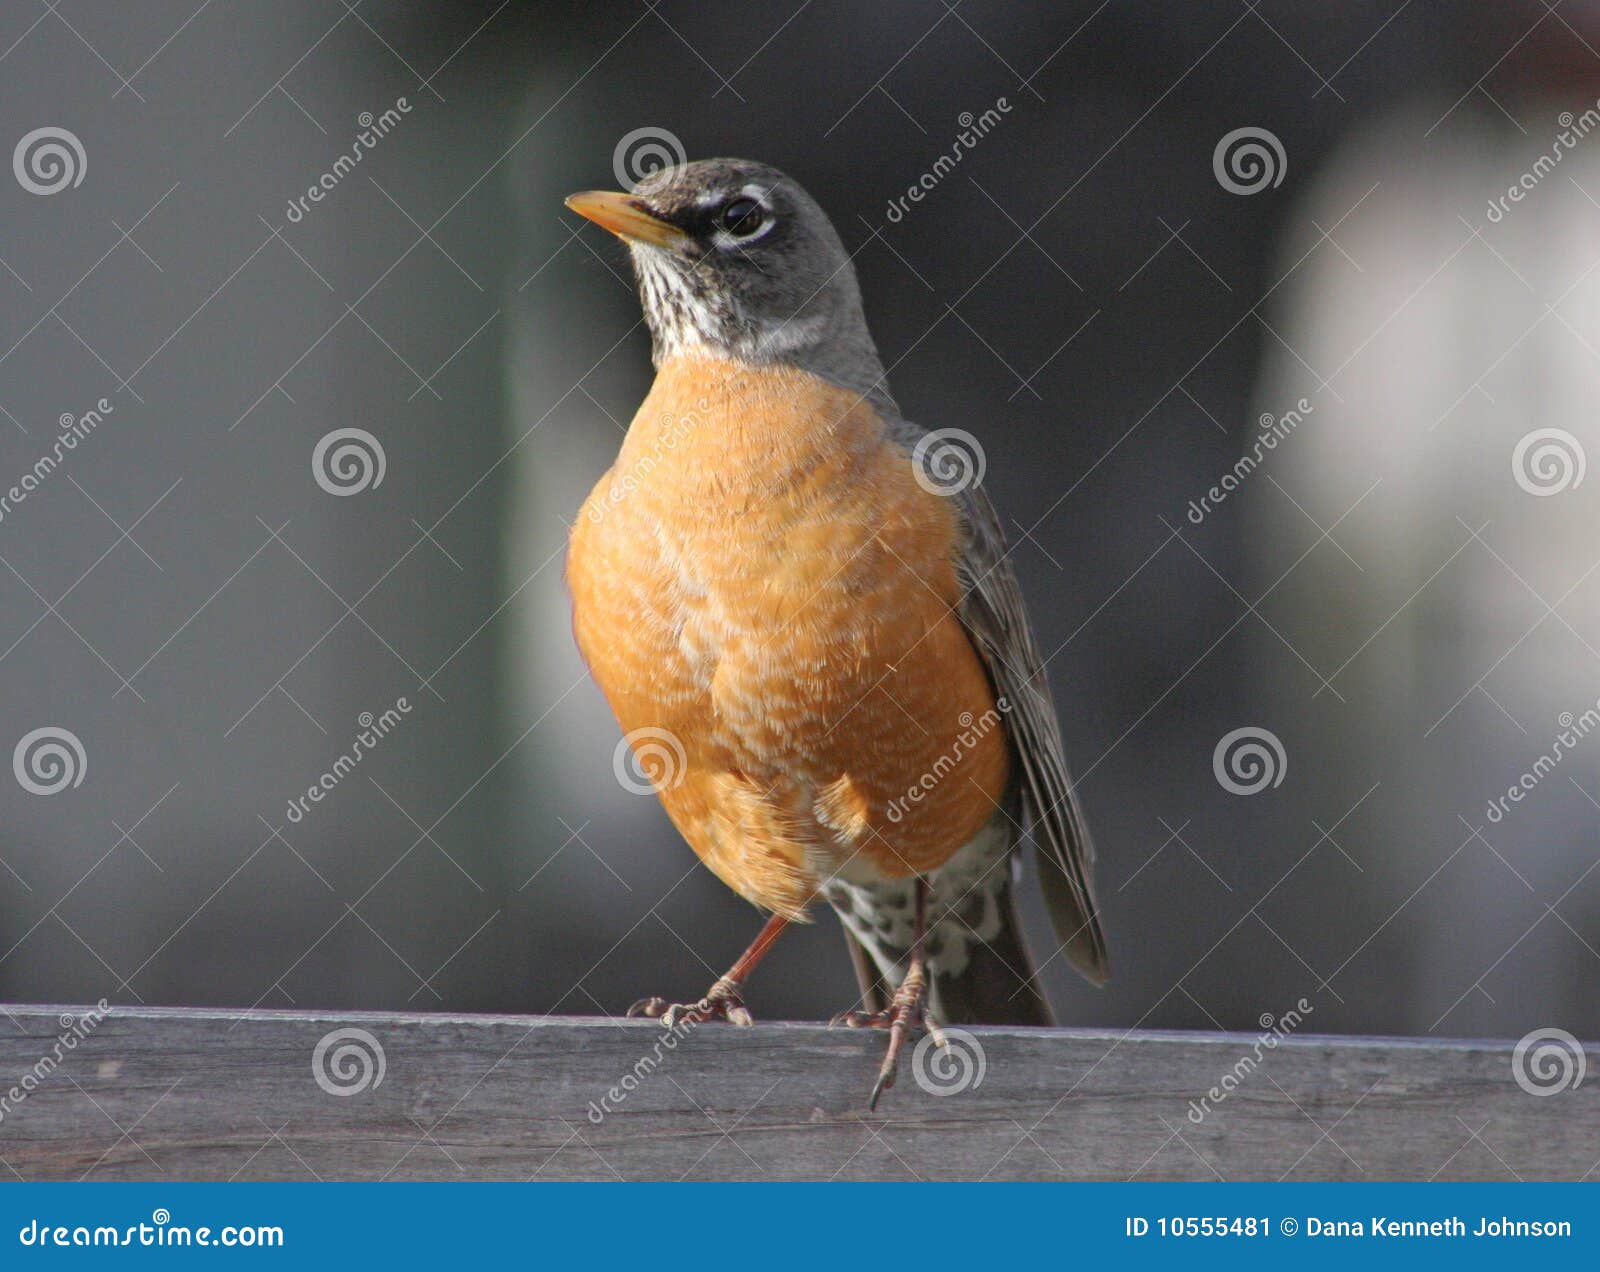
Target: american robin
807 625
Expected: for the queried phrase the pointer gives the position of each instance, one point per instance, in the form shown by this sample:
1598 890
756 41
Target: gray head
734 258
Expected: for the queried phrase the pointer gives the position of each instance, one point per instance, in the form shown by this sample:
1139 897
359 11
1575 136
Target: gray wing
996 621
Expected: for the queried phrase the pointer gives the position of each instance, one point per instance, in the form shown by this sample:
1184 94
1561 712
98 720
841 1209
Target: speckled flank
776 592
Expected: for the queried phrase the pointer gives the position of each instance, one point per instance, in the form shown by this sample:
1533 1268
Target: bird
808 626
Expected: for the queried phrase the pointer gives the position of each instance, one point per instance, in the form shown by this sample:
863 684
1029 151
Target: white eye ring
726 241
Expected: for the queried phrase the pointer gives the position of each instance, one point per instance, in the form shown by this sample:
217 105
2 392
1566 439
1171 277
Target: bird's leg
722 1000
908 1009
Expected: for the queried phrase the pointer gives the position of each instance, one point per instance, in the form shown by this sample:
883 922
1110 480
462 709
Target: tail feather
998 985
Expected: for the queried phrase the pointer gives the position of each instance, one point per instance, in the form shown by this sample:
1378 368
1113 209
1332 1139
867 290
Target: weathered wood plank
190 1094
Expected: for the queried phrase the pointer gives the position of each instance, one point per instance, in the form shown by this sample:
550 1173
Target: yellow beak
625 217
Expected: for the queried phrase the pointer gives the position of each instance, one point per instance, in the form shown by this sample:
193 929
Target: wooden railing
197 1094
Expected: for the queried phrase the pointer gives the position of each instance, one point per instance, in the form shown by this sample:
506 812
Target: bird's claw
722 1002
907 1012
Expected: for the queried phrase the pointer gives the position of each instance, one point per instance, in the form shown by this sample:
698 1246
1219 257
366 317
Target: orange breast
761 576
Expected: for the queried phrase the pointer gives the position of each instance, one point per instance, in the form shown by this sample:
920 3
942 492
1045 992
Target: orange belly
761 577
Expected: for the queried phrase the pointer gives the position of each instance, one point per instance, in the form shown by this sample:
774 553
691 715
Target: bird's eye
741 217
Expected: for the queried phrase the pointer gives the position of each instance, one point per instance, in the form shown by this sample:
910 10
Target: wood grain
196 1094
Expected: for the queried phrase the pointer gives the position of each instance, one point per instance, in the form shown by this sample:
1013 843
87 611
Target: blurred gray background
1082 292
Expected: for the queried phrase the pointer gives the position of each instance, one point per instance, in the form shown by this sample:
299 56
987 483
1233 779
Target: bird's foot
722 1002
906 1013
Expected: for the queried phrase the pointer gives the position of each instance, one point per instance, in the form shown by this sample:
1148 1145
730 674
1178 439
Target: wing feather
996 621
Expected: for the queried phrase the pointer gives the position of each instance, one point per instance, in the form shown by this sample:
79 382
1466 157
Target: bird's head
735 259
